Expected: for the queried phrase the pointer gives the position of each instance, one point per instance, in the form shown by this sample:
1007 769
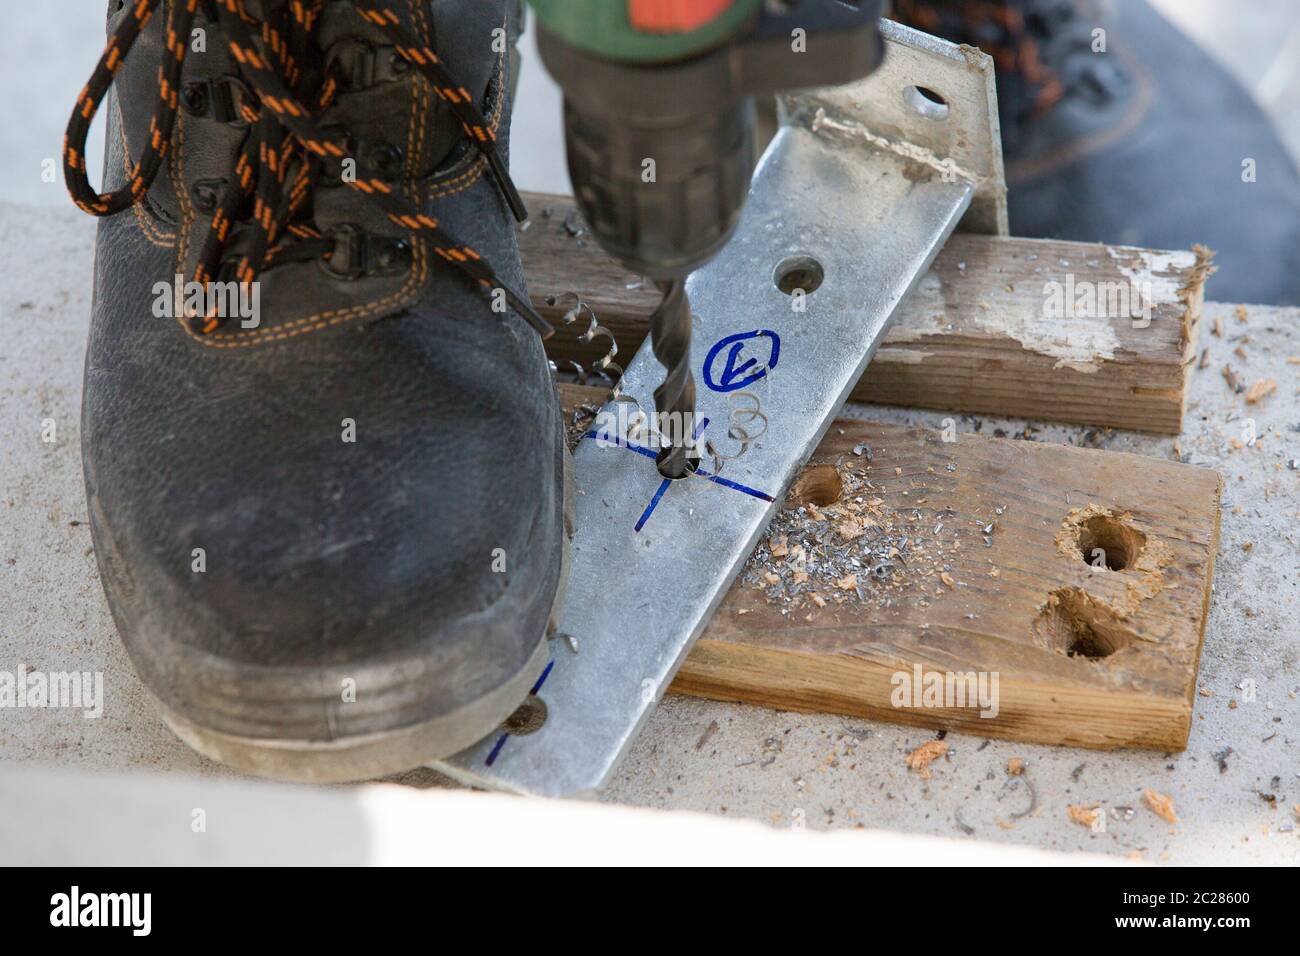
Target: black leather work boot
326 488
1118 128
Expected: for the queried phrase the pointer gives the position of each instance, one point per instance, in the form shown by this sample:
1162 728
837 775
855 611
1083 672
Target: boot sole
364 757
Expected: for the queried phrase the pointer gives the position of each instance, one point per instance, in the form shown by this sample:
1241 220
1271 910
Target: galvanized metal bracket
849 206
931 102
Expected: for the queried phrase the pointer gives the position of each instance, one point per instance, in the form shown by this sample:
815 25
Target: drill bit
670 338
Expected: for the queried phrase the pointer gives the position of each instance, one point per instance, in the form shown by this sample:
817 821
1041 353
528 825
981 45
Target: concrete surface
62 817
778 768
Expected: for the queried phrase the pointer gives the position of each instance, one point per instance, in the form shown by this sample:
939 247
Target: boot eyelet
195 98
205 194
392 256
357 254
359 64
222 99
385 159
348 260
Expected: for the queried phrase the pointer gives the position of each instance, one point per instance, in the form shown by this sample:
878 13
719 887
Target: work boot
1118 128
328 507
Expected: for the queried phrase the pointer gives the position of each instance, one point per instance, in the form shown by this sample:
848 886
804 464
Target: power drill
659 131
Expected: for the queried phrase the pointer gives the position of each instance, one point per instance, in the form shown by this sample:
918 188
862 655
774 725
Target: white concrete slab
759 764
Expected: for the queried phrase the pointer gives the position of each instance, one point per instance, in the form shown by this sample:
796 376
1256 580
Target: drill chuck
661 151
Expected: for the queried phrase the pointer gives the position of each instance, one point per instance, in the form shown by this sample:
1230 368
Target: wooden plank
1093 657
976 336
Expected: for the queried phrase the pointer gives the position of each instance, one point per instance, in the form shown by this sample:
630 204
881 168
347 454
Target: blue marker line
727 483
501 741
621 443
650 508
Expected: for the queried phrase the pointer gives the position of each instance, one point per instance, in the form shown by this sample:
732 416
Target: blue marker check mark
735 374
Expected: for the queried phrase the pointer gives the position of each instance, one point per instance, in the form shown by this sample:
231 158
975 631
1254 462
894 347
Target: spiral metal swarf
670 338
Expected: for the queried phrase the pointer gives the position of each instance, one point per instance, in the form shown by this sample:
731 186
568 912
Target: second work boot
326 476
1118 128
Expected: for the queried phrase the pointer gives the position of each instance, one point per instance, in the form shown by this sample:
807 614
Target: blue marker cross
663 485
645 516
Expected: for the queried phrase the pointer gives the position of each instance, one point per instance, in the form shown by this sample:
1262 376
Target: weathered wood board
1083 655
983 332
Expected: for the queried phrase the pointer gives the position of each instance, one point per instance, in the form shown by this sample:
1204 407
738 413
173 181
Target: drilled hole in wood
1105 541
819 485
528 717
1074 624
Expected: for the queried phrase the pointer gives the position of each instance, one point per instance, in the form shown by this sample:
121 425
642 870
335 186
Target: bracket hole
802 273
528 717
688 467
927 102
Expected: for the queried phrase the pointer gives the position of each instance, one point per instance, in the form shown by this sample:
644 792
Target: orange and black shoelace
287 150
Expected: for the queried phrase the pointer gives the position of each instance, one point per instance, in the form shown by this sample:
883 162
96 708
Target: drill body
659 133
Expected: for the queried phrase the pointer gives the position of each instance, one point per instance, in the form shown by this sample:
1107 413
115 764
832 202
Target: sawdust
924 755
1161 804
1015 767
1260 390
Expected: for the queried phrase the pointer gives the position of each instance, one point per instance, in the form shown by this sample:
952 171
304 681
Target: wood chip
818 600
1161 805
926 754
1261 389
1218 326
848 530
946 578
1015 766
1242 314
847 583
1084 816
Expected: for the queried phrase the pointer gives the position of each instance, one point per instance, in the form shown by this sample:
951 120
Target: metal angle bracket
848 208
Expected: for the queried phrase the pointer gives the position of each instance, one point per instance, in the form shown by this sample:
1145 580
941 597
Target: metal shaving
580 420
